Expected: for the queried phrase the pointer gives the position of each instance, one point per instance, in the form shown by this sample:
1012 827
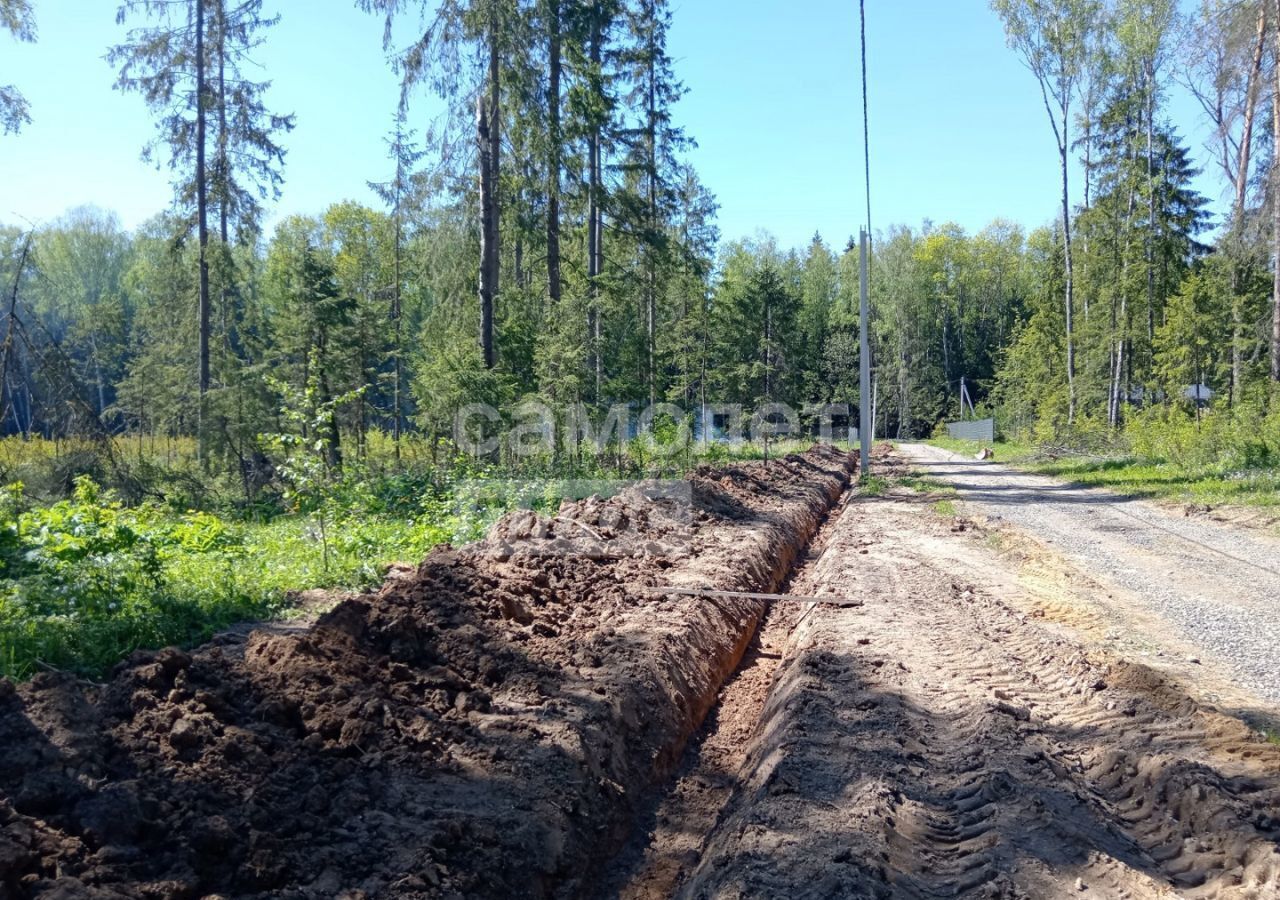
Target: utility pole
866 421
864 360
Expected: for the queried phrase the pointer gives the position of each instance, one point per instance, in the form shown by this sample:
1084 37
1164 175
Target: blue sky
959 132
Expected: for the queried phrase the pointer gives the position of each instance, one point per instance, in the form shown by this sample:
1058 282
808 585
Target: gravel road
1216 587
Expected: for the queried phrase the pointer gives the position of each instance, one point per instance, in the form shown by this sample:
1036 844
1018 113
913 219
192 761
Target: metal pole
864 360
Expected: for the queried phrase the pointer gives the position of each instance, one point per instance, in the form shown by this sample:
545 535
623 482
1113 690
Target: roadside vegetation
86 579
1219 459
117 563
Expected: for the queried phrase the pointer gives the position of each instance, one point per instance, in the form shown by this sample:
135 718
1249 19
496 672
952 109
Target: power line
866 124
866 426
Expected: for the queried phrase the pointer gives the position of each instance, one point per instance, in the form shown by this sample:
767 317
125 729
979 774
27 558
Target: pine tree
248 159
434 58
167 64
358 242
157 393
591 102
311 322
653 142
1192 346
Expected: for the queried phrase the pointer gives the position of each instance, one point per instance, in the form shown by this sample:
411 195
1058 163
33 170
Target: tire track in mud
940 743
1208 586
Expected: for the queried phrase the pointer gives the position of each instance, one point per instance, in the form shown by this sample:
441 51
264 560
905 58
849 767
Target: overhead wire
866 119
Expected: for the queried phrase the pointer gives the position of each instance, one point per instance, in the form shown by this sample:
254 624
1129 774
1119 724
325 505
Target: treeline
550 240
547 240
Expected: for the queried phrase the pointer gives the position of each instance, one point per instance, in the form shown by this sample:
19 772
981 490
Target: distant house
1200 393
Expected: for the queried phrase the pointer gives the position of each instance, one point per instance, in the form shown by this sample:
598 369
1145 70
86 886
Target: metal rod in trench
752 595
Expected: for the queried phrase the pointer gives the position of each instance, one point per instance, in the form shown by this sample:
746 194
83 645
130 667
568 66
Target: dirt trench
485 725
947 739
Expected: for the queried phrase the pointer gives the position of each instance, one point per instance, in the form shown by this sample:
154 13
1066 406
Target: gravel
1216 586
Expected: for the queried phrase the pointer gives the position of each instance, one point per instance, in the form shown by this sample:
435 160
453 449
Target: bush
1222 441
85 581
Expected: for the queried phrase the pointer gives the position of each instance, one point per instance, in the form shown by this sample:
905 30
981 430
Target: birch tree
1053 39
1224 47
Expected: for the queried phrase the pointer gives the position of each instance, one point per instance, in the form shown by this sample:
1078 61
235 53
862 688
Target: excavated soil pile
478 727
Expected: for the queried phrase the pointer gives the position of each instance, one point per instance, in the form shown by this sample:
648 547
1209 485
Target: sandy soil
974 730
1182 586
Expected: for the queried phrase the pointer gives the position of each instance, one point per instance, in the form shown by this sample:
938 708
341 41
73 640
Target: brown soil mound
479 727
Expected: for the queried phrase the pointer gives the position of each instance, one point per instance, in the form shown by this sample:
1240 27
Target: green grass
873 486
1210 485
83 583
923 484
88 578
942 494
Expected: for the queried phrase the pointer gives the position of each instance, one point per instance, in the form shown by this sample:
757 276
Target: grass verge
1150 478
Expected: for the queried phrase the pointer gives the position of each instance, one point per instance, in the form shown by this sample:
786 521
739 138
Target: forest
203 416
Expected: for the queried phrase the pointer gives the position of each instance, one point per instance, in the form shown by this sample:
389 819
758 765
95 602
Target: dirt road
1214 588
973 730
992 721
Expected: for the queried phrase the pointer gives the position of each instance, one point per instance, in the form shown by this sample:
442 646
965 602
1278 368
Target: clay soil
488 724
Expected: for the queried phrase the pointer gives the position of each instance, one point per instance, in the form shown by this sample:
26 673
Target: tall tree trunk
651 292
332 435
553 153
202 225
222 179
1120 320
1118 391
223 165
1087 121
1068 296
1152 225
1238 207
488 133
397 322
946 347
595 229
1275 213
1251 104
